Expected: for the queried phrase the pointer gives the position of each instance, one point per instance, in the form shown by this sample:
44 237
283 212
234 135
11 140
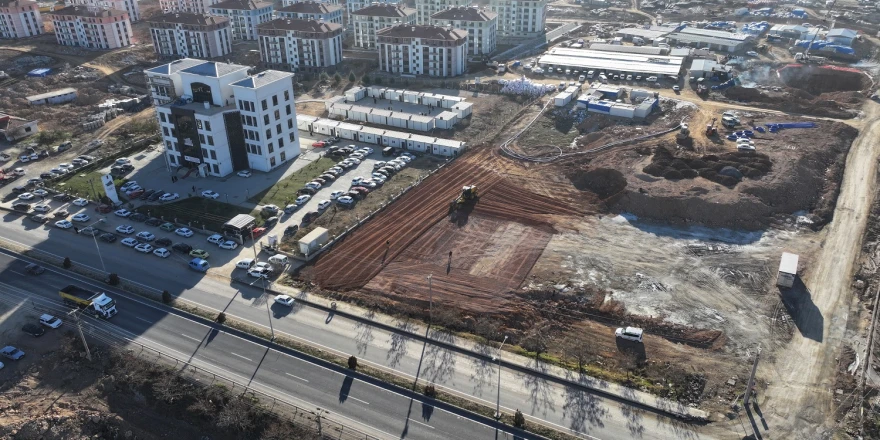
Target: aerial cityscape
439 219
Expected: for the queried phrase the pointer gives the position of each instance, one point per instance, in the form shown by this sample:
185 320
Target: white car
357 155
629 333
123 161
336 194
345 200
323 204
301 200
184 232
125 229
144 247
313 185
40 192
216 239
132 189
169 197
651 79
245 173
19 172
260 272
752 53
367 183
357 181
80 202
42 208
337 170
58 171
50 321
246 263
379 164
162 253
63 224
26 196
81 217
66 166
123 213
228 245
145 236
366 150
208 194
127 185
379 177
354 160
284 300
130 242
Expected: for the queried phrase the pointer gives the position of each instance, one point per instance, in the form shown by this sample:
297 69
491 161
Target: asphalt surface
376 410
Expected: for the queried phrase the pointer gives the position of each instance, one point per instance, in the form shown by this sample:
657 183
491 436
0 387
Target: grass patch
84 183
284 192
198 210
551 129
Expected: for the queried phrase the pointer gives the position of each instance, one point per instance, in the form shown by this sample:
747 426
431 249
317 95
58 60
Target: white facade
480 24
184 35
244 15
20 19
423 50
130 6
92 28
520 19
300 45
427 8
312 10
190 6
368 21
217 119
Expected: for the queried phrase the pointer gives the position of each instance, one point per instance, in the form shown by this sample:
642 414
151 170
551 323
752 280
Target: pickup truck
98 304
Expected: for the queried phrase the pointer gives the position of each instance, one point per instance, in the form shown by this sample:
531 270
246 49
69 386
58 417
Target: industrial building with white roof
612 62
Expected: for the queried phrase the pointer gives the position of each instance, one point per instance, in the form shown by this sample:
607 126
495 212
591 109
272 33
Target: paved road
554 404
373 409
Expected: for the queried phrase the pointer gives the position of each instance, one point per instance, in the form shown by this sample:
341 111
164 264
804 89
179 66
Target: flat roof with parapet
616 61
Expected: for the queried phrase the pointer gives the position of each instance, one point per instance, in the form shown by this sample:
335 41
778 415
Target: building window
281 142
272 161
199 126
271 148
202 138
274 99
287 109
207 126
213 155
162 117
268 134
204 152
265 105
278 129
283 156
165 131
266 119
292 137
290 123
172 159
286 95
277 115
210 140
216 169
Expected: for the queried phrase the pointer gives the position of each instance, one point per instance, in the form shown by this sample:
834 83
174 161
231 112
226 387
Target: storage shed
313 241
562 99
788 267
54 97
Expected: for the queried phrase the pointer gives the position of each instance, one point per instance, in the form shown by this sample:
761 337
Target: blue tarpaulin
39 72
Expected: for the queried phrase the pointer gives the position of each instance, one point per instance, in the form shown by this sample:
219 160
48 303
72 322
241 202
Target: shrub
166 297
679 164
654 170
366 79
352 362
430 390
221 318
324 77
337 78
67 263
351 76
672 174
698 164
519 420
689 174
113 279
727 180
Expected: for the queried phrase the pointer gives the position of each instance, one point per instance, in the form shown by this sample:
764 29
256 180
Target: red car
258 232
320 144
136 194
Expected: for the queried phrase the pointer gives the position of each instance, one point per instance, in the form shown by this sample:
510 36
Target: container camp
446 147
304 122
418 142
399 119
420 123
376 92
355 94
370 135
432 99
463 109
562 99
346 130
393 95
378 116
325 126
446 120
411 97
329 103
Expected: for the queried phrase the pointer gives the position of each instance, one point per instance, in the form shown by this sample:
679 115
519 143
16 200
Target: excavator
710 128
468 196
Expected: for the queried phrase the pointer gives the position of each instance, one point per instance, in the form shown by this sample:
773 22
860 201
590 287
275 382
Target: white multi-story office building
520 18
311 10
130 6
185 35
427 8
300 45
91 28
19 19
423 50
481 25
367 21
216 118
244 16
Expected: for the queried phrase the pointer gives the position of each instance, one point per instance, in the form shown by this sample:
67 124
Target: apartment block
19 19
185 35
481 25
311 10
217 119
328 2
423 50
519 18
130 6
244 15
367 21
189 6
300 45
91 28
427 8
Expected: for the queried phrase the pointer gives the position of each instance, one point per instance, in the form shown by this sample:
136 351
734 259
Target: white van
603 78
278 259
590 74
582 78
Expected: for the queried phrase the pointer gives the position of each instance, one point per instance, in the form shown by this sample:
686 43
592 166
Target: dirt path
76 61
799 399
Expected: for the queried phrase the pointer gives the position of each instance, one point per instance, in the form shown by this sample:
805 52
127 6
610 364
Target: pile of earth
727 169
832 104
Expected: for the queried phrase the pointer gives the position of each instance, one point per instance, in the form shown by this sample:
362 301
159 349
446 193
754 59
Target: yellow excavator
468 196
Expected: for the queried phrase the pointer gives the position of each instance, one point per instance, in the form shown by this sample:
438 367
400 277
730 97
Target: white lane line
144 320
18 273
359 400
420 423
236 354
297 377
190 337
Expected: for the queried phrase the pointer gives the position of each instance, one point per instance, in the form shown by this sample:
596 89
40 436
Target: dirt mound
727 169
818 80
604 182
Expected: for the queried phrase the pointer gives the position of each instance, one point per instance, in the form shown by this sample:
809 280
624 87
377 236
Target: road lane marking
142 319
18 273
190 337
420 423
359 400
236 354
297 377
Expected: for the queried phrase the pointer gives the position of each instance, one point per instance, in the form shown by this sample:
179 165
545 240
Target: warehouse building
649 34
716 40
709 69
612 62
643 50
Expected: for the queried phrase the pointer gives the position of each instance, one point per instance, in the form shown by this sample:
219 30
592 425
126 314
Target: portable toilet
788 266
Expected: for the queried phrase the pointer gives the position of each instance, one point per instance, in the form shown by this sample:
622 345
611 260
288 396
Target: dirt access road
798 402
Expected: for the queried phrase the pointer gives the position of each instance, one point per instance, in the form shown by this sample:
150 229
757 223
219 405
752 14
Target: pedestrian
194 188
75 229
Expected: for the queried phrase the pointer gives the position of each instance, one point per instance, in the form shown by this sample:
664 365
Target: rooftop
187 18
385 10
841 32
212 69
618 61
175 66
311 8
58 92
465 14
422 31
295 24
12 3
82 11
247 5
262 78
714 34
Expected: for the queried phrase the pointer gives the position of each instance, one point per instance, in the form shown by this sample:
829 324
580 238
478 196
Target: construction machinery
468 196
710 128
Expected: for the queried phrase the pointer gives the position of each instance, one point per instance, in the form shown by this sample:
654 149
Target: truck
97 304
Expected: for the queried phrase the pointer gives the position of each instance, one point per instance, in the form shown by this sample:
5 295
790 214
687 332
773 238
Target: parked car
229 245
169 197
42 208
80 202
34 269
62 198
301 200
130 242
336 194
63 224
122 213
182 248
50 321
291 208
260 272
40 218
256 232
161 253
269 210
145 236
125 229
33 330
245 263
215 239
144 248
164 242
153 222
208 194
245 173
345 200
108 237
81 217
138 217
90 231
184 232
629 333
168 227
11 352
291 230
323 204
199 253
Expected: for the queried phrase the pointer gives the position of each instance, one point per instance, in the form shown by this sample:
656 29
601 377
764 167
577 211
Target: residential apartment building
190 6
245 15
130 6
427 8
185 35
367 21
91 28
328 2
217 119
19 19
312 10
481 25
423 50
300 45
520 18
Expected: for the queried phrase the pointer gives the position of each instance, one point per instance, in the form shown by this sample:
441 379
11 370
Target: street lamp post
495 357
268 312
98 248
430 301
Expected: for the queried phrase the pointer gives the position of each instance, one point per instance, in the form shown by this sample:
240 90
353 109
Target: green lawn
199 210
284 192
78 184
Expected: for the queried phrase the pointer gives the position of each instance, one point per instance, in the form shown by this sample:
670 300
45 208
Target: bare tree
236 414
487 328
538 338
577 350
169 387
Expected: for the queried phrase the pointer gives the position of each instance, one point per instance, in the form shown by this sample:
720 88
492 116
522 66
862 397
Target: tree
337 78
353 362
351 76
236 414
221 318
538 338
366 79
67 263
430 390
578 351
324 77
166 297
519 420
113 279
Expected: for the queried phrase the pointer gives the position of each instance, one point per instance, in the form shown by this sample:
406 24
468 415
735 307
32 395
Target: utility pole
751 384
430 301
82 336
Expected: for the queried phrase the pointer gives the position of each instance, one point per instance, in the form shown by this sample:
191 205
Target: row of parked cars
46 320
133 191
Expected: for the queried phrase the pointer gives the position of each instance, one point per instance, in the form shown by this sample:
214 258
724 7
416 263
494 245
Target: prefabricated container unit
446 147
622 110
788 266
562 99
355 94
446 120
641 93
420 123
304 122
348 131
333 101
393 95
464 109
449 101
376 92
325 126
378 116
600 106
573 90
418 143
411 97
359 113
645 108
398 119
394 139
430 99
370 135
340 110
